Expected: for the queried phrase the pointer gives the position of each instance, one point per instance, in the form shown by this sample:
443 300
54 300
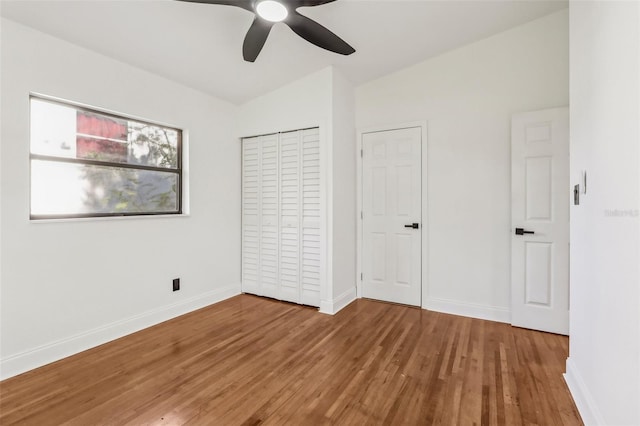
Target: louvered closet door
269 282
290 213
310 229
281 216
250 215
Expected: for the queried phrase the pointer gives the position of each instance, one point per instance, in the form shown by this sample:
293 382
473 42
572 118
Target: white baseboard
491 313
54 351
581 396
332 307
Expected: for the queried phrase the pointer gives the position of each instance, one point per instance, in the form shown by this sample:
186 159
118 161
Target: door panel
379 256
290 216
540 204
538 270
538 188
270 217
250 215
391 196
310 187
404 248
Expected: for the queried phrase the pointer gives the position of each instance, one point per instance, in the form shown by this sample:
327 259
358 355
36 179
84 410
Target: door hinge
361 275
361 215
361 153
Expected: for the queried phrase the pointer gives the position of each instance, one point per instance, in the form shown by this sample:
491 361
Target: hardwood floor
248 361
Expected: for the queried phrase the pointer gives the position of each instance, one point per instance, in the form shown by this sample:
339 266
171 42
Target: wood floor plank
255 361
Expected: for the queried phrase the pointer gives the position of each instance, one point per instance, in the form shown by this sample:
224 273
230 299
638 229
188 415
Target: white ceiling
200 45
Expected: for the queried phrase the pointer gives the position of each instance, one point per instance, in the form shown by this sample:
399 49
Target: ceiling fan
269 12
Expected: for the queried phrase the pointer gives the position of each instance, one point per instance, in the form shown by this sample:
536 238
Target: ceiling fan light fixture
271 10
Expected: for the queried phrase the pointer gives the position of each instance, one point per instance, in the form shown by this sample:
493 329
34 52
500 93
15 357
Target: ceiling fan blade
255 39
315 33
245 4
306 3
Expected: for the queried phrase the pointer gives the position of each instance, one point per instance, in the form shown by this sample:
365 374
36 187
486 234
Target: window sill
109 218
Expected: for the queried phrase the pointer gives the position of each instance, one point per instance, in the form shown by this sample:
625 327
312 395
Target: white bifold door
281 216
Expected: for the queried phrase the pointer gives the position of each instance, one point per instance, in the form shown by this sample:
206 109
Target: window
86 163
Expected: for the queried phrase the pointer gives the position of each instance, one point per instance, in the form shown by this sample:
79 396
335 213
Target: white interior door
392 211
540 197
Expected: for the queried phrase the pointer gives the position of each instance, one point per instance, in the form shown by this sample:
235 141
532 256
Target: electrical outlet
176 284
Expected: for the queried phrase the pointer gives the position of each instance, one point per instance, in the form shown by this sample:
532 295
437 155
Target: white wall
344 192
467 96
301 104
324 99
603 370
70 285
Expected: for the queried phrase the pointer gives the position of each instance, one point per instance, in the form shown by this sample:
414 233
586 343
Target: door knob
520 231
413 225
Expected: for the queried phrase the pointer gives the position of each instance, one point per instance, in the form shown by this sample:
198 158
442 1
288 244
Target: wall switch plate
176 284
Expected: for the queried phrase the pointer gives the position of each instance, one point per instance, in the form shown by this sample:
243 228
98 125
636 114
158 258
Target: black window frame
42 157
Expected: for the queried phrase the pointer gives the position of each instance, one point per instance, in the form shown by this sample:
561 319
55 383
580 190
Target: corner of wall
581 396
343 185
332 307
